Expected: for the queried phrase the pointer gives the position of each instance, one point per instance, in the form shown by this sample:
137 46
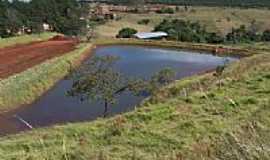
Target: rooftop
148 35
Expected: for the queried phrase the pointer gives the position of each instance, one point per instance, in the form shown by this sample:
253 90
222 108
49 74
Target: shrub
243 35
266 35
166 11
126 33
214 38
144 21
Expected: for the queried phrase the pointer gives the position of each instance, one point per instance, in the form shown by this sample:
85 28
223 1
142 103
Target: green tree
166 11
144 21
161 78
3 18
126 33
266 35
97 80
65 16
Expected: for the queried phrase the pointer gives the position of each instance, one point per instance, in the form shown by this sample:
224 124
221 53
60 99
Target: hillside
231 3
170 125
215 19
241 3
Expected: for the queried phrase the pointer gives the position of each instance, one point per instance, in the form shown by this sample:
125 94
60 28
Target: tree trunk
105 109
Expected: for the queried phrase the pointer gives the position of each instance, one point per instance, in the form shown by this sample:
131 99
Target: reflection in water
97 80
139 62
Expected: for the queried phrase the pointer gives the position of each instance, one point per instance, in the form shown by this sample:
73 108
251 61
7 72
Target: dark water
56 108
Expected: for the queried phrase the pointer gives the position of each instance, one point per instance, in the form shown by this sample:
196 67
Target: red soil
18 58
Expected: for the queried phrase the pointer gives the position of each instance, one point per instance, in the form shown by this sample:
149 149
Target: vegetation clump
165 11
126 33
144 21
187 31
266 35
98 81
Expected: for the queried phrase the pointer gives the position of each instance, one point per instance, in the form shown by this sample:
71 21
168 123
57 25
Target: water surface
56 108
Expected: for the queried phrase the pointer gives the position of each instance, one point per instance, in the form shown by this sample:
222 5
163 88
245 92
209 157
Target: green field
216 19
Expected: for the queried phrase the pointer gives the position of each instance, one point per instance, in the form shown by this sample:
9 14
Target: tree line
63 16
181 30
186 31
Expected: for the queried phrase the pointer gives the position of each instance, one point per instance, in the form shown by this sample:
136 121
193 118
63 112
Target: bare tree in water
97 80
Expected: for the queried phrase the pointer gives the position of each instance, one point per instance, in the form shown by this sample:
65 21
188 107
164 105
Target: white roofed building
150 35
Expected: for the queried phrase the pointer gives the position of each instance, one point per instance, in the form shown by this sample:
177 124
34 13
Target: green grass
25 87
230 122
5 42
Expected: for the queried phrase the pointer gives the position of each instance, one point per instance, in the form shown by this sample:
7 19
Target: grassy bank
190 119
25 87
5 42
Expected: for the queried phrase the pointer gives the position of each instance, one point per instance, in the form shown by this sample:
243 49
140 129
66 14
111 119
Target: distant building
103 9
46 27
150 35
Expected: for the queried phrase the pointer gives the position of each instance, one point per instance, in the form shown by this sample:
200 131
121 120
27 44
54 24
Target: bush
214 38
144 21
266 35
166 11
243 35
126 33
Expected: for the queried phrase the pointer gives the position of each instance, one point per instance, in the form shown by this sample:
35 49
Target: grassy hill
231 122
215 19
241 3
230 3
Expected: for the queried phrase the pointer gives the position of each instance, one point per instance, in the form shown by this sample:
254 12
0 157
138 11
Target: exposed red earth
16 59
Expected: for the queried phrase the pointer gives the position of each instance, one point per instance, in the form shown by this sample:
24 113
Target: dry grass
5 42
217 19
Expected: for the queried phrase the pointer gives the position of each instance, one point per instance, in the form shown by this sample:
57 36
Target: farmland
19 58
